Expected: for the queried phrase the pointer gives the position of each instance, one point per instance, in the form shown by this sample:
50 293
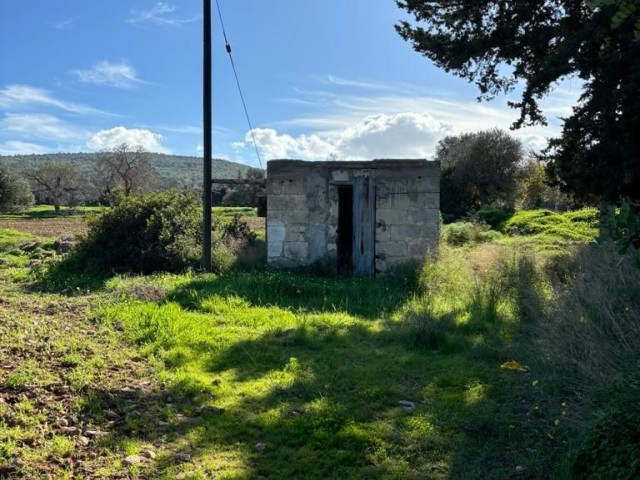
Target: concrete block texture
407 232
297 252
391 249
304 205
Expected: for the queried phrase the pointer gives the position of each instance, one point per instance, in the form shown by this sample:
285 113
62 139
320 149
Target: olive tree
478 169
58 183
15 192
124 168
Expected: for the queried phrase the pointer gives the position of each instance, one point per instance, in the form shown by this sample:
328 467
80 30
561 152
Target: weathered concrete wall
302 214
407 213
298 214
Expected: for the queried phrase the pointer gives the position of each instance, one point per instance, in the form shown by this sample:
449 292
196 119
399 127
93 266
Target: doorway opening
345 229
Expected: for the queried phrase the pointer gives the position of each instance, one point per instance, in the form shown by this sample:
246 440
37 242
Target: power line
235 73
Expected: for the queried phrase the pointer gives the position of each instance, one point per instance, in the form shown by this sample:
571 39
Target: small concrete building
352 216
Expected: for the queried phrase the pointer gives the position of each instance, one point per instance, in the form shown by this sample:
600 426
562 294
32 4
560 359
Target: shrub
240 230
462 233
493 216
610 447
623 225
15 192
148 233
144 234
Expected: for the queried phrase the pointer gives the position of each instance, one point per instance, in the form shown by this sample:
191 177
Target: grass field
262 374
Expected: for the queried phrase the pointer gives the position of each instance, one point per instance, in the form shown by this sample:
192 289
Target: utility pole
207 127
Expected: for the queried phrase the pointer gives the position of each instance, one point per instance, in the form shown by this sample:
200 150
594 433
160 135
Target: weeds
595 325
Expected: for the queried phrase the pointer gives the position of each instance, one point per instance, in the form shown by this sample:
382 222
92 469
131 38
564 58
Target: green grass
19 249
231 211
265 374
10 238
530 229
314 370
48 211
575 226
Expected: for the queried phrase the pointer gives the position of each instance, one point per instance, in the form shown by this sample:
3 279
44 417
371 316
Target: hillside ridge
183 170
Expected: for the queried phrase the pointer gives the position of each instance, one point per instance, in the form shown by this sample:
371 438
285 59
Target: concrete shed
353 216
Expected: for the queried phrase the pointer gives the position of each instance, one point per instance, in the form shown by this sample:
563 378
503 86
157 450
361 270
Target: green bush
623 225
462 233
493 216
240 230
144 234
149 233
610 446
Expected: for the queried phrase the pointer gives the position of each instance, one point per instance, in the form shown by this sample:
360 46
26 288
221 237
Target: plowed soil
47 227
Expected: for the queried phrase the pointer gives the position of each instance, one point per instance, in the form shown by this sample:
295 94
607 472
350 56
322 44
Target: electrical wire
227 46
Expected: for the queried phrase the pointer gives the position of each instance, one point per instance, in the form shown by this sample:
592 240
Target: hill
177 170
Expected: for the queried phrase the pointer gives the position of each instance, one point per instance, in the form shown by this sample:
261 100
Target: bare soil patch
67 227
255 223
49 227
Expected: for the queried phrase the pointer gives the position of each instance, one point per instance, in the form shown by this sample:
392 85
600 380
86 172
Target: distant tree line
481 170
120 171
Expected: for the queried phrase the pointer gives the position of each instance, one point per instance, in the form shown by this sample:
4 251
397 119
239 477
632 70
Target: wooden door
363 225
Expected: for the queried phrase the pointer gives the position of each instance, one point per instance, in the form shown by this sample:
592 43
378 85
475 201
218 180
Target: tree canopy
478 169
502 46
57 183
15 193
124 168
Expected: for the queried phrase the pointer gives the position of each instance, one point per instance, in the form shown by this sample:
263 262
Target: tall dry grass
592 328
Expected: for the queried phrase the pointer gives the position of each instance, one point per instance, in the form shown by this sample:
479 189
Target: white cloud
20 96
64 24
344 82
354 125
400 135
15 147
105 139
162 14
119 75
38 125
186 129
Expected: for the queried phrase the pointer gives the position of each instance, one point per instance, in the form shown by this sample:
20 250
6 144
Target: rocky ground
77 401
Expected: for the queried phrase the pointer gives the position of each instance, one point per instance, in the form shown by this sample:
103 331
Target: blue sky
322 78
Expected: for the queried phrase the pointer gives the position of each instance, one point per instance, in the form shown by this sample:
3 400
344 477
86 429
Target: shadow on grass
322 399
71 275
300 292
326 404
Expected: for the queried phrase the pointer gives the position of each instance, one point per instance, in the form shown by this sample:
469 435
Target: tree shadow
322 399
69 276
300 292
319 401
